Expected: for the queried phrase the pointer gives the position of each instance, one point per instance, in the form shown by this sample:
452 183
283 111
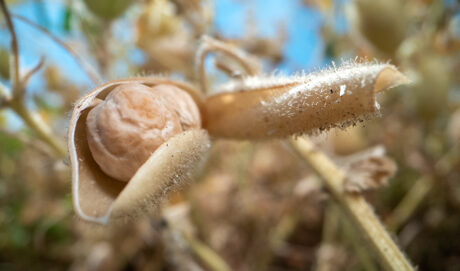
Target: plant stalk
14 46
210 258
355 206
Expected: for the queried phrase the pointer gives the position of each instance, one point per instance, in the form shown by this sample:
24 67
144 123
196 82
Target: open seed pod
260 107
103 137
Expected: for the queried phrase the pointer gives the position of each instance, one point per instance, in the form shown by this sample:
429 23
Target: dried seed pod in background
273 107
98 196
108 9
431 86
382 22
165 38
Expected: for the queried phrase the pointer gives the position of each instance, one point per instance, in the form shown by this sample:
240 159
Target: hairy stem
358 210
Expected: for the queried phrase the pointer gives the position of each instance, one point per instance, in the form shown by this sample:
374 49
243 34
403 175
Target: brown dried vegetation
254 205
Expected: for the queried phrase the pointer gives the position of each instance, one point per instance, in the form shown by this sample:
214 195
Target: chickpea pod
129 142
133 140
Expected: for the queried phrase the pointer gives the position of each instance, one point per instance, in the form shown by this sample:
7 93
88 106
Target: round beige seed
133 121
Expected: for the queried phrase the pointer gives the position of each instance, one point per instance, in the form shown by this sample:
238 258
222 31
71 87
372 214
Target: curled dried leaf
368 170
261 107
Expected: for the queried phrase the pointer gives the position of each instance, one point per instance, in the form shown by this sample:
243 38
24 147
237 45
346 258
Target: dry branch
355 206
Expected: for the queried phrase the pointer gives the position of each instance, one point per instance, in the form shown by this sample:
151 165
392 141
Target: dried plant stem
407 206
182 240
16 102
210 258
418 192
365 260
358 210
33 71
210 45
95 78
14 45
283 230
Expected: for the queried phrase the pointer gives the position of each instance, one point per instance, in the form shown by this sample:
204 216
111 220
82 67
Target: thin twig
212 260
419 191
85 67
35 69
283 229
359 211
14 46
16 102
411 201
207 255
209 45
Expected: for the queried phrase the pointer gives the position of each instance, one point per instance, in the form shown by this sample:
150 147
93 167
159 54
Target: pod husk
276 107
98 197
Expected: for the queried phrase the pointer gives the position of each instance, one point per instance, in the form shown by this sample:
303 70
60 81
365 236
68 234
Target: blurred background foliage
256 204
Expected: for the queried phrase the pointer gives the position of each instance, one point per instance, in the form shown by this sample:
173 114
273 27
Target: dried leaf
368 170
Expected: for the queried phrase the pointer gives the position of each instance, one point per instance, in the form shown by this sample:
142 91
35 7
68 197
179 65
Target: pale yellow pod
98 197
384 23
275 107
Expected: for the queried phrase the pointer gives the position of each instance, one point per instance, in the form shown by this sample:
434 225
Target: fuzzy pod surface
262 107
